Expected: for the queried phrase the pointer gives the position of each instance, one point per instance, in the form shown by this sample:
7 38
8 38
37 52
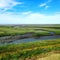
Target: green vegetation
30 50
41 33
55 30
19 30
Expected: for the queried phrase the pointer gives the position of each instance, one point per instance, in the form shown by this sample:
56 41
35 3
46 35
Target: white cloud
26 13
31 18
57 12
46 7
8 4
42 5
37 18
45 4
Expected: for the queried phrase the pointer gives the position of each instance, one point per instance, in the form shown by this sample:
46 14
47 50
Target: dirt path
51 57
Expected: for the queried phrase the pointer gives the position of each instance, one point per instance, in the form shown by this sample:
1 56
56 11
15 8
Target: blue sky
29 11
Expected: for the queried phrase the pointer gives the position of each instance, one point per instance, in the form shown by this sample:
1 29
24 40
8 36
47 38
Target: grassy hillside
31 50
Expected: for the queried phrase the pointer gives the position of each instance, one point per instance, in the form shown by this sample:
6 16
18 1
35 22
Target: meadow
19 30
31 50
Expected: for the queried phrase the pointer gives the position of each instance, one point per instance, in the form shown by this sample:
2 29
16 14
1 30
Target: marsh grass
28 50
41 31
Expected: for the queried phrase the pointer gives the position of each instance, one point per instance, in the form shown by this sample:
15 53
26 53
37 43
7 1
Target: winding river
25 40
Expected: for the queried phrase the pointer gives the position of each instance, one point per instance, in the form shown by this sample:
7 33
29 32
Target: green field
30 50
18 30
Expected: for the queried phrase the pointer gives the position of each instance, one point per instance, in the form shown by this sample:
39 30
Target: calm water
33 39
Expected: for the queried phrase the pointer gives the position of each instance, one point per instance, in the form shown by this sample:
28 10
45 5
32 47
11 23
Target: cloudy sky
29 11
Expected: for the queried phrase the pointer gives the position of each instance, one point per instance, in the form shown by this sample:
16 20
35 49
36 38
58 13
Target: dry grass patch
51 57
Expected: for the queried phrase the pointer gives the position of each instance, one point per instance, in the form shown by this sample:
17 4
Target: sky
29 11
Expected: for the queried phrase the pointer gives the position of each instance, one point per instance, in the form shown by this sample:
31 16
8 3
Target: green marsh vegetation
30 50
18 30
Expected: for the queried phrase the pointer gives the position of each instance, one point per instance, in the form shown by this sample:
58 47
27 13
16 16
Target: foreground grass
28 51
